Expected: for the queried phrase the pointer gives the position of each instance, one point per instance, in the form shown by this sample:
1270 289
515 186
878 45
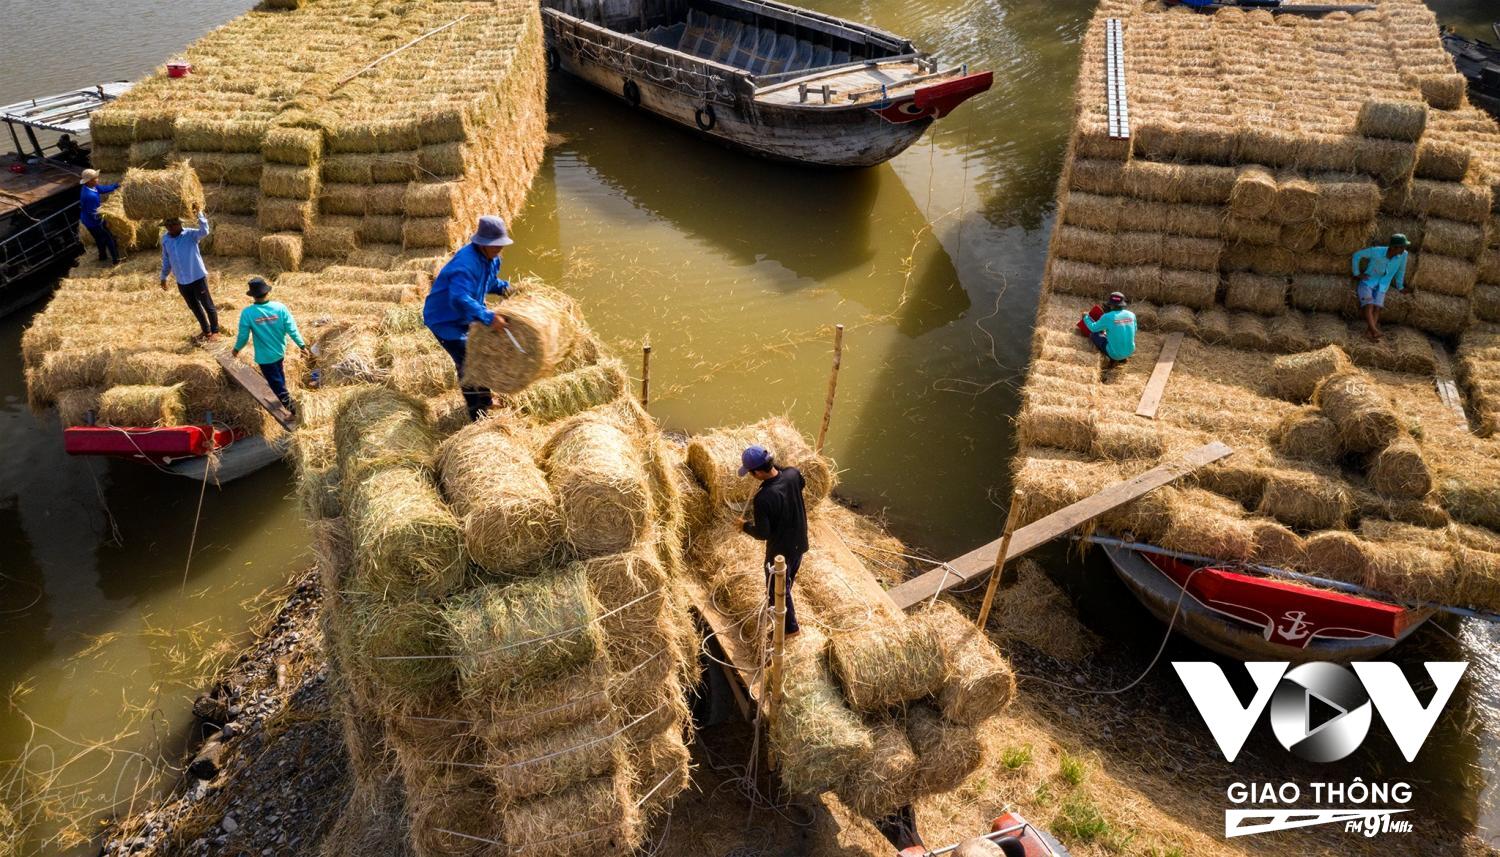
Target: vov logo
1319 711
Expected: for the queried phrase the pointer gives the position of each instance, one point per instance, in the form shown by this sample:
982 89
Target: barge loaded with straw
1225 200
761 76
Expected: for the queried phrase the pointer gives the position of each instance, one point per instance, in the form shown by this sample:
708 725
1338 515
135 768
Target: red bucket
178 68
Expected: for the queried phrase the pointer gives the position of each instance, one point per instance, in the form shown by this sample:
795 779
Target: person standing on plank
457 301
1376 269
90 196
1114 331
780 519
181 258
269 323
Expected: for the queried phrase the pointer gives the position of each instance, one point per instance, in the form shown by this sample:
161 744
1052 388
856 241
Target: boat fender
632 93
553 61
705 117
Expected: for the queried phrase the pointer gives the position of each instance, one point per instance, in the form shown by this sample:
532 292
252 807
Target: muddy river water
733 269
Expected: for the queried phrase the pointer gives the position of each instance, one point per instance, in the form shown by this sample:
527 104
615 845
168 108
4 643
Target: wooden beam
981 561
252 382
740 652
1447 390
1151 396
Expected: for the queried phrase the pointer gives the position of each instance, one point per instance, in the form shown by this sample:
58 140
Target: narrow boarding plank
981 561
252 382
726 632
1447 390
1151 396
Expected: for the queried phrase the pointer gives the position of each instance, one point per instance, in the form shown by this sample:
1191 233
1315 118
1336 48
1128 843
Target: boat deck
850 85
38 182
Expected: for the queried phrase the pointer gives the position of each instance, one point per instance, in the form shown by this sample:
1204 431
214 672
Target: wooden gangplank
252 383
1447 390
981 561
1157 386
743 677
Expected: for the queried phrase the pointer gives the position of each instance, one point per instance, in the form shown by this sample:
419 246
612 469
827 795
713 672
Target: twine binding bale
1308 435
550 763
546 325
884 664
152 195
1392 120
569 393
402 649
510 516
375 427
979 682
819 740
599 816
879 789
409 542
596 472
577 698
1364 416
1254 191
947 752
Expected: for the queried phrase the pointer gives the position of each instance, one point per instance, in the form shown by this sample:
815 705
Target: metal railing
40 244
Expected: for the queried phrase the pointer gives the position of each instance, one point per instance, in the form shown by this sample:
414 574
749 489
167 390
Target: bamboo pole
645 374
778 645
1000 557
385 56
833 383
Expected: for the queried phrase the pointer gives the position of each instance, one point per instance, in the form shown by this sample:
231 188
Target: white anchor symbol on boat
1294 631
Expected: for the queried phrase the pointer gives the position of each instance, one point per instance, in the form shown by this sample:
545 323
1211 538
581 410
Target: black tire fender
553 60
705 117
632 93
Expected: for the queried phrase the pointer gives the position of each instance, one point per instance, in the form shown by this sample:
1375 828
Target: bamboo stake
833 383
383 57
1000 557
645 374
778 644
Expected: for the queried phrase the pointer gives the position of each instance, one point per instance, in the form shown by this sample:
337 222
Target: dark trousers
276 377
1100 341
793 562
477 399
201 303
104 241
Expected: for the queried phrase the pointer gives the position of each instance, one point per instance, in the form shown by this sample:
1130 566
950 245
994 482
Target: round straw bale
1452 238
282 250
1120 440
275 214
442 159
543 321
394 168
1247 332
1247 291
402 647
1444 275
1389 161
1084 245
1364 416
197 372
457 822
1442 160
554 761
1445 315
408 540
1092 211
142 405
1346 198
596 472
1392 120
979 684
234 239
878 789
580 697
1295 377
511 640
1213 326
1305 499
1296 199
1340 555
510 516
569 393
885 664
820 741
1346 238
1069 428
664 767
599 816
1487 302
1204 523
155 194
375 426
715 460
1411 571
1092 175
1189 288
1193 254
1301 237
78 406
1444 91
1252 231
1254 191
1177 319
1308 435
289 182
1468 203
1399 471
947 752
1278 546
1476 579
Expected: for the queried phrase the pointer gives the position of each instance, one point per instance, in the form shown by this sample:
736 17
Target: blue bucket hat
754 458
491 233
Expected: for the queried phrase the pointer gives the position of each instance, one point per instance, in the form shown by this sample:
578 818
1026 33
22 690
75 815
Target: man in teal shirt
1376 269
270 323
1114 332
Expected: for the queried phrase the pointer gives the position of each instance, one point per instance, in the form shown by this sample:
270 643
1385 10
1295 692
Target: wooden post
778 643
833 383
1000 556
645 374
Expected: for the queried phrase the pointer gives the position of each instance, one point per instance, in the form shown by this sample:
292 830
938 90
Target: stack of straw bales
352 193
880 707
1230 215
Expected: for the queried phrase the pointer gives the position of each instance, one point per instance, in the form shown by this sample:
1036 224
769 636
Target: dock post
989 591
833 384
772 695
645 374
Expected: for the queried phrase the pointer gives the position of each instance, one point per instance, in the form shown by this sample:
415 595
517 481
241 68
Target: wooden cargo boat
768 78
1479 63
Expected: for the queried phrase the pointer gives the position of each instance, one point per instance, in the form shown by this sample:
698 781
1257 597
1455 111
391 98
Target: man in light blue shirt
1114 332
269 323
181 258
1376 269
457 301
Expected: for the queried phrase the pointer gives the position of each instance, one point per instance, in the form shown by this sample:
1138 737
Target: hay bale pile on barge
1230 215
345 190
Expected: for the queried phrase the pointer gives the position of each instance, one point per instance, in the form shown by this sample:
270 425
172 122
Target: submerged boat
1479 63
768 78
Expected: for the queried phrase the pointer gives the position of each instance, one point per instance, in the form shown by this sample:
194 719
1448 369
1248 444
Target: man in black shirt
780 519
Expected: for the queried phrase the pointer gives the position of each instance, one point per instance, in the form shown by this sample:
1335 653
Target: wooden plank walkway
726 631
981 561
1151 396
254 384
1447 390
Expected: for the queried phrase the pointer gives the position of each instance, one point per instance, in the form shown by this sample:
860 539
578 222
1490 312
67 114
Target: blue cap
491 232
754 458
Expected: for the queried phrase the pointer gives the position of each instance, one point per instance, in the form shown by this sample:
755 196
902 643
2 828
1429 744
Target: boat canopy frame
66 113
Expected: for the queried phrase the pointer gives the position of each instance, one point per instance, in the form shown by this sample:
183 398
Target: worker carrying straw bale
90 196
456 301
270 323
1113 332
1376 269
182 258
779 519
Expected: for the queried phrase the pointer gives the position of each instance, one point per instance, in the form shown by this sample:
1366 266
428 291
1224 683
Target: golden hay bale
1296 199
1444 91
1247 332
1252 230
1392 120
545 323
569 393
1467 203
445 160
156 194
1476 580
1301 237
432 199
886 663
149 153
1346 199
1305 499
350 355
1254 191
1445 315
1411 571
885 784
1189 288
1205 523
1278 546
1399 471
282 250
596 472
1213 326
510 516
1364 416
1323 294
512 640
1307 435
715 460
1177 319
947 752
197 372
1119 440
234 239
595 817
1487 302
819 740
1288 333
289 145
402 647
1295 377
1444 275
1344 239
78 406
409 542
374 427
580 697
230 199
1092 211
1442 160
555 761
1452 238
142 405
458 821
979 682
1070 428
419 232
289 182
1339 555
275 214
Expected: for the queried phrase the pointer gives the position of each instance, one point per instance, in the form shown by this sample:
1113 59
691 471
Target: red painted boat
1015 836
179 450
1253 617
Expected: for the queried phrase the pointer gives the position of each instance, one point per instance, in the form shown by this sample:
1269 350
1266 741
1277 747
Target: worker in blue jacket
1114 332
1376 269
90 196
457 301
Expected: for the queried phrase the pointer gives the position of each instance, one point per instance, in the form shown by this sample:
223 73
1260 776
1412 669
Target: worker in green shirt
1114 332
1376 269
269 323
